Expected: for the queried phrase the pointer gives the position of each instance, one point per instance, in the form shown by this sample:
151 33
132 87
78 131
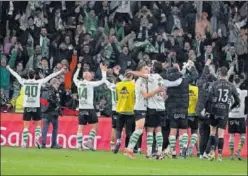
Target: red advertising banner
12 126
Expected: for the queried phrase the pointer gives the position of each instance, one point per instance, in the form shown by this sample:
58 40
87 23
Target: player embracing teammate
236 123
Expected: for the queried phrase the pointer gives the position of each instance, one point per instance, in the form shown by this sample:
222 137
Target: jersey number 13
223 95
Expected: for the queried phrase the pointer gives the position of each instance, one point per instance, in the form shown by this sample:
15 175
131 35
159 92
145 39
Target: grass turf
31 161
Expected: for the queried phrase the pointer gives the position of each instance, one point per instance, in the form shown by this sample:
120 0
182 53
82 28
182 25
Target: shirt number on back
223 95
83 92
31 91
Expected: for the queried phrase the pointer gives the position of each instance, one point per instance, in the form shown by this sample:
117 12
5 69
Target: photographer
50 110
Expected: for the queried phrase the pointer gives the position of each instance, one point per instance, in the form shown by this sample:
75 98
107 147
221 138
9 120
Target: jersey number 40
31 91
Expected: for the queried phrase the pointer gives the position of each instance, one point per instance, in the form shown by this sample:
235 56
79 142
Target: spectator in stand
48 35
4 73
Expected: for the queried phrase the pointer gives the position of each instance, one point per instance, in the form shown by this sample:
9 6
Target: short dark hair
31 74
157 67
236 79
223 71
31 17
38 9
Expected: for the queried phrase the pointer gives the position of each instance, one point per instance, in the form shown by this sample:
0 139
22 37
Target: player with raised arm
112 87
140 108
219 98
236 122
87 113
32 89
155 107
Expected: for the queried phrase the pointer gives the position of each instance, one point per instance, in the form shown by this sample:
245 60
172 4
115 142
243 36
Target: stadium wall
12 126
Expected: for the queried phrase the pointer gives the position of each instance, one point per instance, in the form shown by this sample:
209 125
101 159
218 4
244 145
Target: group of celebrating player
143 102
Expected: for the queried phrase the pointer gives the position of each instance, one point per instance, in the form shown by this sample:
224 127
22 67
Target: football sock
220 145
231 144
24 137
241 142
92 135
185 140
149 141
172 140
193 139
134 139
159 139
180 144
37 132
79 140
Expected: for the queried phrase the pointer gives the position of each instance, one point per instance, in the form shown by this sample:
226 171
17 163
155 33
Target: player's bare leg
38 133
212 139
113 139
220 143
139 126
240 147
184 141
25 134
172 139
92 135
231 146
80 137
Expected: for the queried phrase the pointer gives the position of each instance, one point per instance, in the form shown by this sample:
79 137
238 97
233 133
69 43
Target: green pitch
17 161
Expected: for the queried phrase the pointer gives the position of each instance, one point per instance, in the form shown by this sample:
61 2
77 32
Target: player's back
85 94
125 96
140 101
32 89
221 92
239 112
112 88
157 101
193 98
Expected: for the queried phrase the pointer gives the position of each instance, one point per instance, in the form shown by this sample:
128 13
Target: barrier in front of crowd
12 126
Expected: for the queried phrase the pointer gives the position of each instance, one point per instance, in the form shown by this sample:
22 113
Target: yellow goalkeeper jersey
193 98
125 97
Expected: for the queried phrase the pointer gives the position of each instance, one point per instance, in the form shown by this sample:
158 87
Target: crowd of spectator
46 36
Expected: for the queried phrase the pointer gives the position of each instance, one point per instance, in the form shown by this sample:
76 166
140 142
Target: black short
179 123
218 122
87 116
236 125
153 118
32 114
193 122
138 114
114 117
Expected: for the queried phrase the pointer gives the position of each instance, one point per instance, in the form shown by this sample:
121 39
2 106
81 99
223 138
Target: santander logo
15 139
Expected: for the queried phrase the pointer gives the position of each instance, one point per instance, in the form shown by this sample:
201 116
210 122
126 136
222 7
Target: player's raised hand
7 67
103 68
79 65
